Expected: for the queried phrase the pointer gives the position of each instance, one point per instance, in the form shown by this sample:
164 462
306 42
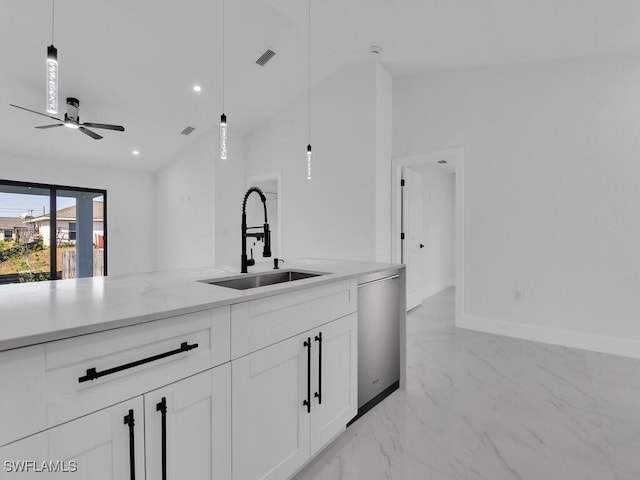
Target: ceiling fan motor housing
73 110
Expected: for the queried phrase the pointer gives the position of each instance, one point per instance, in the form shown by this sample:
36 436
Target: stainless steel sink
262 279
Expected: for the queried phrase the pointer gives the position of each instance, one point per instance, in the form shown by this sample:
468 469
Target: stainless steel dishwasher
378 339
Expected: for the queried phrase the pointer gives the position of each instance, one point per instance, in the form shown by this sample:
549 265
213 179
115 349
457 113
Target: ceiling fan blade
33 111
51 126
119 128
93 135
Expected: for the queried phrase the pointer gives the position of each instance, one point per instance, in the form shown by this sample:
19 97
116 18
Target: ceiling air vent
265 57
187 130
442 162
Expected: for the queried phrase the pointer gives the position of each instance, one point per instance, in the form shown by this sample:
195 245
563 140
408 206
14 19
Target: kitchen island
254 382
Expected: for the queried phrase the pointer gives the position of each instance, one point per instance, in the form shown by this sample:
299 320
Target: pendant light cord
53 17
309 65
222 56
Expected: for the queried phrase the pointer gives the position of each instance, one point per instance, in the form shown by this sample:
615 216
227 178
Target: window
72 231
68 243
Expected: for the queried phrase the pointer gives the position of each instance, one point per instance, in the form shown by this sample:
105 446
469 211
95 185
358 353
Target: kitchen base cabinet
188 428
291 398
193 443
94 447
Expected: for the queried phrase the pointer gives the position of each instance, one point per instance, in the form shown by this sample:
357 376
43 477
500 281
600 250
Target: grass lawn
38 261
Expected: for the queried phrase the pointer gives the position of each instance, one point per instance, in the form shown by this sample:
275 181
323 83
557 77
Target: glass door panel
25 247
80 233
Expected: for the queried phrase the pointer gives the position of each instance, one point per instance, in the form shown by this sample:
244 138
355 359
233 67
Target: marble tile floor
486 407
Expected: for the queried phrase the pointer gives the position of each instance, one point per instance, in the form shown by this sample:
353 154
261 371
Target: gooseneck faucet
266 234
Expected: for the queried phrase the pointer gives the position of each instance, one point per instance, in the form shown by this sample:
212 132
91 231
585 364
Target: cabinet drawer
259 323
131 359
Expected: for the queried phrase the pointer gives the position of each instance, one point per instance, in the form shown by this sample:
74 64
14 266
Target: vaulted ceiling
134 62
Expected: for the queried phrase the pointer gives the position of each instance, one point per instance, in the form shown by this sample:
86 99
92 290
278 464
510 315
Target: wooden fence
69 263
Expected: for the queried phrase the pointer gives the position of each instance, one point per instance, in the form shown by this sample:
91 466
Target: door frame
267 177
455 155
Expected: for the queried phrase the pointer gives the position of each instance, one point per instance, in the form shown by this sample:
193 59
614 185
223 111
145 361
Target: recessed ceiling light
197 88
136 152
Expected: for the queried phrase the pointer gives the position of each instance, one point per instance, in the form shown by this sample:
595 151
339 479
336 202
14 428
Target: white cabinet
291 398
338 383
245 392
270 426
101 446
59 381
188 428
106 445
130 361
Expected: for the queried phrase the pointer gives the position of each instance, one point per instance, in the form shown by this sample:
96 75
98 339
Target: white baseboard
566 338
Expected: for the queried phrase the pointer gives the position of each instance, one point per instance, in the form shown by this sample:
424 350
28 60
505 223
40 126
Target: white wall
437 236
198 202
185 207
334 215
130 205
230 188
551 193
384 140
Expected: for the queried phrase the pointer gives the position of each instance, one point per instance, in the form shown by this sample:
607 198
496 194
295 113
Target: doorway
424 248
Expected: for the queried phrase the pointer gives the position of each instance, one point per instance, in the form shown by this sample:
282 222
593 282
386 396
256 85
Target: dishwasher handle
393 277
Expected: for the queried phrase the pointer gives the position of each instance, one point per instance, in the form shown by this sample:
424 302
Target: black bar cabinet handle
92 374
318 394
128 420
307 402
162 408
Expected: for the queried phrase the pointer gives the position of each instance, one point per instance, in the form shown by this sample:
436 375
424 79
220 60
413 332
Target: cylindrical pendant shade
223 137
52 79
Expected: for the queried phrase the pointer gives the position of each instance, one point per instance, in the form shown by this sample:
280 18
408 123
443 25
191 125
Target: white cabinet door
334 379
95 447
188 428
270 423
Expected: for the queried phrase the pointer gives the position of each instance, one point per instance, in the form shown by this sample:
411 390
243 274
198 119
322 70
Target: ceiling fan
72 120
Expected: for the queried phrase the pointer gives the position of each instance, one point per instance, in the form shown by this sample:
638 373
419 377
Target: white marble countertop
32 313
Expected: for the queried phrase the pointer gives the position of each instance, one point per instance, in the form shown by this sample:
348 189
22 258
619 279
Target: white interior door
413 244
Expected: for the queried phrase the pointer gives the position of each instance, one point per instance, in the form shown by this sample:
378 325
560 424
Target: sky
14 204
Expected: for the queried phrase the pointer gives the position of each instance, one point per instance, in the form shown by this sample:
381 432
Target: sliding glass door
36 244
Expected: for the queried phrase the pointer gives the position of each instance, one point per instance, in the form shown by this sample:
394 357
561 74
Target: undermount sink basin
262 279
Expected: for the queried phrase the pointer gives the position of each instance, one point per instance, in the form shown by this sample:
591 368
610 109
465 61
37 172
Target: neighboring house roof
69 214
9 223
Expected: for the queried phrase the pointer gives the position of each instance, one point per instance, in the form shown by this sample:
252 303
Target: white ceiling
134 62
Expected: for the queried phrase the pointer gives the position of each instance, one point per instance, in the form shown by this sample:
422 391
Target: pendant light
309 153
52 69
223 117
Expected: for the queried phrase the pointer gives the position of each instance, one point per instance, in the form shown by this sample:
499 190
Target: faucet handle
275 263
